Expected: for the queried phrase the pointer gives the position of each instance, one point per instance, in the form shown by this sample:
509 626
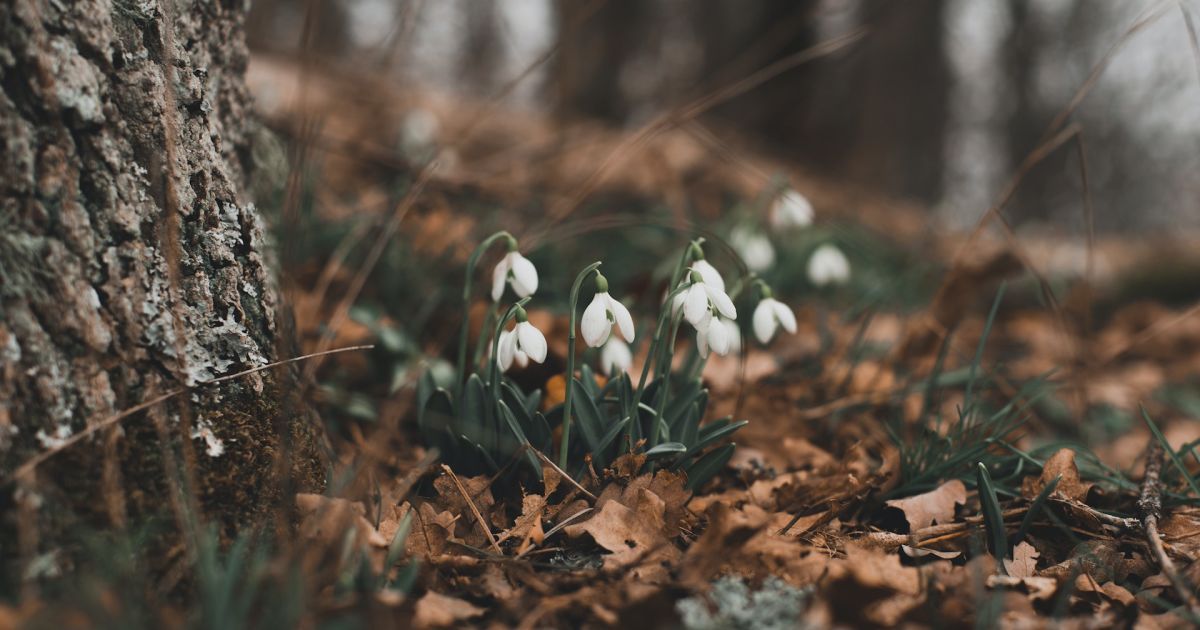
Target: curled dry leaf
1070 486
919 552
1038 588
435 610
937 505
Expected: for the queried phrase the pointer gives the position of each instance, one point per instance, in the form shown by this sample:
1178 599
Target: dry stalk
1150 507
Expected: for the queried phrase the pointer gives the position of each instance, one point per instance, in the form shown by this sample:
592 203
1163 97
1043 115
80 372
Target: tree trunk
132 264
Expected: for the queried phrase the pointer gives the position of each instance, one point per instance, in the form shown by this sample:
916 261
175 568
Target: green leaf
591 423
688 431
681 402
588 380
993 519
396 548
515 427
1171 453
664 449
600 455
708 466
1036 507
476 418
712 436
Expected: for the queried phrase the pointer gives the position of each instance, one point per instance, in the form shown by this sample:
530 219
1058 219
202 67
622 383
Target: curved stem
494 363
664 369
566 430
466 311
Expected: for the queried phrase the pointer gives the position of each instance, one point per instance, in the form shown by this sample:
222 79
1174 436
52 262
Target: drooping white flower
708 273
769 315
507 354
523 339
828 265
714 334
517 270
419 129
754 248
704 296
791 210
599 316
615 357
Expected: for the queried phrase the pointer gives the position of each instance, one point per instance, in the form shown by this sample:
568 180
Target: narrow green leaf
993 519
713 436
664 449
590 421
1034 508
708 466
1166 446
515 427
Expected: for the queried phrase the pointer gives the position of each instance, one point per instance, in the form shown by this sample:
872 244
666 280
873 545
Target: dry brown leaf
435 610
937 505
1024 562
918 552
632 536
327 519
1038 588
1070 486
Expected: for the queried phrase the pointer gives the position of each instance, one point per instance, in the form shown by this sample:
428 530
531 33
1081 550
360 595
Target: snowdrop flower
517 270
708 273
599 316
516 356
828 265
769 315
702 297
615 357
523 339
754 248
791 210
717 335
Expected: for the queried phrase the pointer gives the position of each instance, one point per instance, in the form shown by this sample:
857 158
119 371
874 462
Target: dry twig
1150 507
487 531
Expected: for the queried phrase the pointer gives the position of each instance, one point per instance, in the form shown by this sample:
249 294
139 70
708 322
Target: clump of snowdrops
482 422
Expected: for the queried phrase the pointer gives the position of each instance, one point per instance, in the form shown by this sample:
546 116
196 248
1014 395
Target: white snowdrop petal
702 342
615 357
720 300
784 315
695 305
595 325
718 338
623 318
525 278
792 210
709 274
764 321
531 341
828 265
499 275
506 349
735 335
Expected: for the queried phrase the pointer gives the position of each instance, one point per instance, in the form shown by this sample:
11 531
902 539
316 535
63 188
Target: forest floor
973 430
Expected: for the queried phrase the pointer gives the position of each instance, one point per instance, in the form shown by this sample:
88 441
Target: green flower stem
566 430
653 350
466 311
664 373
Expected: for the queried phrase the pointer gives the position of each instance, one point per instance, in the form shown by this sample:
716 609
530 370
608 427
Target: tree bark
131 264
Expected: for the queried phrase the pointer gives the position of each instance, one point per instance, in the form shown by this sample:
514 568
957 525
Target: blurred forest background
939 105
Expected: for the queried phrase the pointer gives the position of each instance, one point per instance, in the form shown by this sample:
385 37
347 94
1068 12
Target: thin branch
474 510
33 462
1150 506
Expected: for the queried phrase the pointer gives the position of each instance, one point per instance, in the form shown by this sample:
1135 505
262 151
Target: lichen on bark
132 263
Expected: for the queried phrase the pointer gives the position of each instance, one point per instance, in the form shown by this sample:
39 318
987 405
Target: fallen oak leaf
1069 486
1024 562
937 505
1037 587
632 536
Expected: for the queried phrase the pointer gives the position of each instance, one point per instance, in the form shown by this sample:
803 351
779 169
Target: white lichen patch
77 82
203 430
55 440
